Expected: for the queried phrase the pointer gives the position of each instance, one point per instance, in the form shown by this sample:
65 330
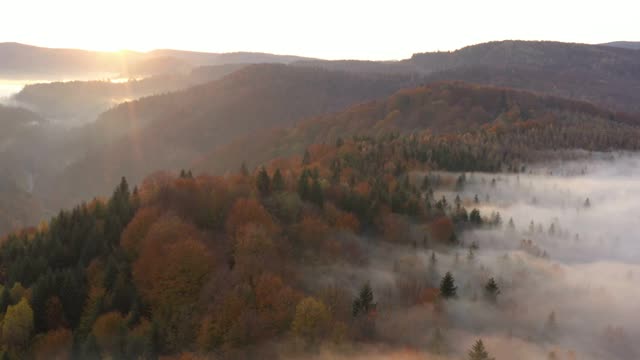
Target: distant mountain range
210 117
19 61
634 45
605 75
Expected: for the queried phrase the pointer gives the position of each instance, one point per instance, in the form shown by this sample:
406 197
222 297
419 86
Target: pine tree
460 182
491 290
448 289
263 182
478 352
475 217
471 255
363 304
277 183
426 184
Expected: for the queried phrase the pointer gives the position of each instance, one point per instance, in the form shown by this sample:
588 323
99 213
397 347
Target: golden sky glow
329 29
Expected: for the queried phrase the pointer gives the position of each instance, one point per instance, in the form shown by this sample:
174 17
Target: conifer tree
475 217
478 352
471 256
448 289
263 182
426 183
363 304
491 290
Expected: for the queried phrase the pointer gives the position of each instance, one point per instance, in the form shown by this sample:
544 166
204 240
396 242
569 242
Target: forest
271 261
150 271
324 209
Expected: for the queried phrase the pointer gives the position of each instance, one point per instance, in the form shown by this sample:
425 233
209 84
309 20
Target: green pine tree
363 304
448 289
263 182
478 352
491 290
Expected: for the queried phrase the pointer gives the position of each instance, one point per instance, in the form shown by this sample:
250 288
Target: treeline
213 265
453 121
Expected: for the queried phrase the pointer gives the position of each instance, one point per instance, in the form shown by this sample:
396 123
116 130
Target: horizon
249 51
331 30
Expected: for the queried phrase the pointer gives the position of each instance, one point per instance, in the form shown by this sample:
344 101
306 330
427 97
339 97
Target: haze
250 190
374 30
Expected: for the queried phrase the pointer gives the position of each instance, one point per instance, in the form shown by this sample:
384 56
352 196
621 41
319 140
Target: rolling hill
606 75
19 61
634 45
80 102
445 109
169 131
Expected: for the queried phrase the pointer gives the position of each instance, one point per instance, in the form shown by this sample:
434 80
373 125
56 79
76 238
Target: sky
331 29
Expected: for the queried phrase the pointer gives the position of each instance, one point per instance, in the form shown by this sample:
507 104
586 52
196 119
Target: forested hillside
605 75
18 208
296 212
496 121
170 130
217 264
80 102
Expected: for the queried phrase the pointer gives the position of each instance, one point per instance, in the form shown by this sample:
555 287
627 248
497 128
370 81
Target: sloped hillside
606 75
446 108
171 130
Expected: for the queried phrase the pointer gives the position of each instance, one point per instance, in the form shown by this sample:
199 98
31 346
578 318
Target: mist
565 257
